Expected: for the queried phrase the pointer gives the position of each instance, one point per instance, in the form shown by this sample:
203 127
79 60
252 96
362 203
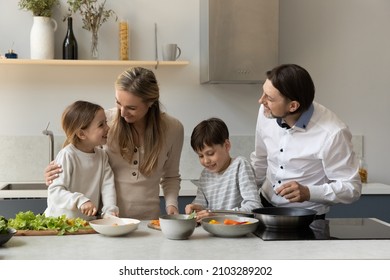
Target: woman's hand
88 209
172 210
51 172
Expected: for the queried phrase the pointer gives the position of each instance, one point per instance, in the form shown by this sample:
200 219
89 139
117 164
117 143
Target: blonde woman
144 147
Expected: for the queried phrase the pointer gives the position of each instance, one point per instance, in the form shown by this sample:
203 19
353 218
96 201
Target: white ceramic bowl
111 226
223 230
177 226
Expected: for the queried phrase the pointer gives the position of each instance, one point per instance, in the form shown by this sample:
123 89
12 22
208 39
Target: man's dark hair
293 82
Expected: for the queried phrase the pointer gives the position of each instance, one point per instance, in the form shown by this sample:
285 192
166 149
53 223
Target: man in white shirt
303 152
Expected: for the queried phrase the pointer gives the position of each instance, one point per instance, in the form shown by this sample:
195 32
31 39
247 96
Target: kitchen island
148 244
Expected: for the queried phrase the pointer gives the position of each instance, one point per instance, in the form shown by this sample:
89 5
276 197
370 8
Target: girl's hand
116 214
109 215
88 209
51 172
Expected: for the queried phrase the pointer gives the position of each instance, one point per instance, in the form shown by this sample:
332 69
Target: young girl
87 178
225 183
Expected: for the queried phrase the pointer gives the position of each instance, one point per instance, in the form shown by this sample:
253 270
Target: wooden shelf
61 62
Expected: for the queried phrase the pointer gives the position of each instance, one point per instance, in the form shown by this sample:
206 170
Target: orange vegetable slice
233 222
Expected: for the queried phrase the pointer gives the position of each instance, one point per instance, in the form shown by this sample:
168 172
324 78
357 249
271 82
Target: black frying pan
284 217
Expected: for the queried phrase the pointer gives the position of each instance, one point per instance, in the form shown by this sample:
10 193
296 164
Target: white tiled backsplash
24 158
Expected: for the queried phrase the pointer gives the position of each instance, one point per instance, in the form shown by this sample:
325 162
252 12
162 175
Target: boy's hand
200 211
192 207
203 214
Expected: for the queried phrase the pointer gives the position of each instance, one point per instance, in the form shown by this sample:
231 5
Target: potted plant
39 8
43 28
93 14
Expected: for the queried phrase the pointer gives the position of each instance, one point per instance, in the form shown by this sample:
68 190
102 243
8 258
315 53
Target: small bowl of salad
229 226
6 233
114 226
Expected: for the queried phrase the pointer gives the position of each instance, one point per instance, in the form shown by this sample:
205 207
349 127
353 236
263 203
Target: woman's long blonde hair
142 83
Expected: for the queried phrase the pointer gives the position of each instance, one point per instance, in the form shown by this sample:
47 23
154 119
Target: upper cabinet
238 40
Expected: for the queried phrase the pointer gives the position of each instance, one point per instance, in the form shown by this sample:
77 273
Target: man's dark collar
301 123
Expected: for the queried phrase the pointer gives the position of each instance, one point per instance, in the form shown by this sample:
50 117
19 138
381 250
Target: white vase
42 38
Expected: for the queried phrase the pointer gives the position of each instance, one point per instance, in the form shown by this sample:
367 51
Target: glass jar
363 170
123 40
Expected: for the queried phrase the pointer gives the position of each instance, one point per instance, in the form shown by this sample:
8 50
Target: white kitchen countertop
187 189
21 193
147 244
375 188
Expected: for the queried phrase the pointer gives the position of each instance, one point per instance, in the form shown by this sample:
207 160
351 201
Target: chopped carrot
233 222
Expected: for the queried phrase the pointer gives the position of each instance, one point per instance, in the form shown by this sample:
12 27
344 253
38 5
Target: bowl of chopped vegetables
114 226
177 227
229 226
6 233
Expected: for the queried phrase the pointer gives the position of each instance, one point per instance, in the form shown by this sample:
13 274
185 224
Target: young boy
225 183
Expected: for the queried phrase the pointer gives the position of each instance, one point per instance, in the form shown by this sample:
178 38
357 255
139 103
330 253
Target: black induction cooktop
337 228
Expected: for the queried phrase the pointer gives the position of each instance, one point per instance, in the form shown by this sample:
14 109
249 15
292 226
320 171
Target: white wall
344 44
31 96
36 95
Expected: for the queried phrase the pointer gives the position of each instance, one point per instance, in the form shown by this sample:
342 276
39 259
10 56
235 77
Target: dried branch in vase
93 13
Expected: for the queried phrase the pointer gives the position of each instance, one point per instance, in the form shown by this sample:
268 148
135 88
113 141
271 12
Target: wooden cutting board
51 232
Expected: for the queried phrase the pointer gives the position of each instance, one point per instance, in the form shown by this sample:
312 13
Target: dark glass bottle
11 54
69 47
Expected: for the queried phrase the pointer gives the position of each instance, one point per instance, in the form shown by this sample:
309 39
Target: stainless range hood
238 40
